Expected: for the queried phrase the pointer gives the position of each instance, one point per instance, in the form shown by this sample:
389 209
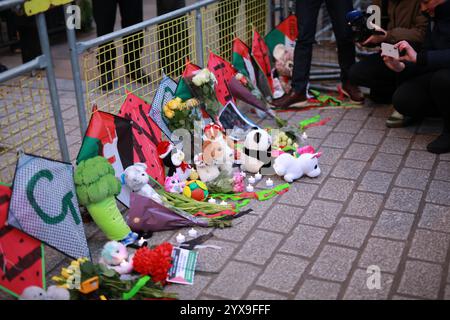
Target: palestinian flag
224 72
146 135
260 53
242 60
285 33
183 90
109 136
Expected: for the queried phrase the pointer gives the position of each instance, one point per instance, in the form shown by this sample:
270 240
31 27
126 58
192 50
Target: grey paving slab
394 225
443 171
386 254
330 155
282 273
420 160
281 219
421 279
259 247
336 189
435 217
318 290
303 194
364 204
358 288
439 192
348 126
395 145
321 213
304 240
386 162
358 151
348 169
368 136
233 281
338 140
404 199
334 263
430 246
413 178
264 295
376 181
350 232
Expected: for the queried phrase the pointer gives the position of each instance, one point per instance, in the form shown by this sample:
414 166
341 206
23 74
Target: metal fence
30 114
158 45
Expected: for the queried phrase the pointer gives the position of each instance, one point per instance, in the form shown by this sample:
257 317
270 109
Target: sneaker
440 145
353 93
291 99
397 120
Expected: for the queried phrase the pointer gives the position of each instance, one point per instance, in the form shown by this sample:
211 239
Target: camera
357 20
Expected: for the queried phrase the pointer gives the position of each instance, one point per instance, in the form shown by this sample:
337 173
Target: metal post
199 37
45 47
269 15
71 39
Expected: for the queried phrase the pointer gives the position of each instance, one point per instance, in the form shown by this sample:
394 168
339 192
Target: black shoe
139 76
291 99
441 144
3 68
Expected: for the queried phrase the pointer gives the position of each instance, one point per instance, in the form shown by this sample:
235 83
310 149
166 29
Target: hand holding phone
389 50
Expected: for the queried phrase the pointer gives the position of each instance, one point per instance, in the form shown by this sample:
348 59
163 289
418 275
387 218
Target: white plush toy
206 172
137 179
292 168
52 293
115 256
257 151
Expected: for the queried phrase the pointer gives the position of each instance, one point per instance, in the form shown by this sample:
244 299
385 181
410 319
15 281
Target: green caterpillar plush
96 188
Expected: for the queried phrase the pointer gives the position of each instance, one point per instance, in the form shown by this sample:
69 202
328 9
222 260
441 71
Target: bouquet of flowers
86 280
202 85
179 114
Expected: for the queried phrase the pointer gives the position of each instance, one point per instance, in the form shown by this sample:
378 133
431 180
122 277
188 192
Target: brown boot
291 99
353 93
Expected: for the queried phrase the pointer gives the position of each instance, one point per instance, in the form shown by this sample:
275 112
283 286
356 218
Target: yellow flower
58 279
170 114
192 103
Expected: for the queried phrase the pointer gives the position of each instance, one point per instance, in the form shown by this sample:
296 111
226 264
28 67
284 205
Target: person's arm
434 59
415 34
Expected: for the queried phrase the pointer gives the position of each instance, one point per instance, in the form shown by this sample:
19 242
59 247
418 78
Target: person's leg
174 41
371 72
439 87
131 12
104 12
345 45
306 12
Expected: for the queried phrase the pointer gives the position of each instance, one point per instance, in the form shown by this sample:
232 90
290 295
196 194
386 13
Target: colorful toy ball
196 190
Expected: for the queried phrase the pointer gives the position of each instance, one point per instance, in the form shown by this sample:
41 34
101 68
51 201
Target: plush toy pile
174 164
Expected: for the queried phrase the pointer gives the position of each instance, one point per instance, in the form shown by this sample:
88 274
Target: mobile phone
389 50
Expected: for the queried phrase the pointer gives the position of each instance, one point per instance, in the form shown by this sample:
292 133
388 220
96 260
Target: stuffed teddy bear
284 65
220 154
115 256
52 293
292 168
173 159
137 179
173 184
256 154
206 172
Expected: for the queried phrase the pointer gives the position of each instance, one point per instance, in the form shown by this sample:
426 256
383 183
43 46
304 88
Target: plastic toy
196 190
115 256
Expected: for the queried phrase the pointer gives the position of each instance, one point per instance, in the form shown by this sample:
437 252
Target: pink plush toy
238 182
173 184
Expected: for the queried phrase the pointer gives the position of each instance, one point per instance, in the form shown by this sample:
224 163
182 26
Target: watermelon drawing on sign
21 256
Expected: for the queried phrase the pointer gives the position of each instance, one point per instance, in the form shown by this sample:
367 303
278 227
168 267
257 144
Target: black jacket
436 48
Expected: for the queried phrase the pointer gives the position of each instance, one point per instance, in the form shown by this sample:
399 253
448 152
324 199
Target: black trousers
131 12
425 95
307 12
174 41
371 72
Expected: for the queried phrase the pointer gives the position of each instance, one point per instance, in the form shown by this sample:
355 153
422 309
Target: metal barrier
161 44
28 122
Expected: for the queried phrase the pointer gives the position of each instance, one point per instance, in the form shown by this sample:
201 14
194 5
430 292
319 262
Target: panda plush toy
256 154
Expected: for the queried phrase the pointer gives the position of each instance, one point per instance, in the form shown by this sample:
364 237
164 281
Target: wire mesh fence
224 20
26 122
136 62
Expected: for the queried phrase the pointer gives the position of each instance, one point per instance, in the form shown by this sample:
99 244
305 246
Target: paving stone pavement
381 200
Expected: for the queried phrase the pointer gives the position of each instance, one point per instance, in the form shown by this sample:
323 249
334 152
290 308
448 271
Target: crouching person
425 75
403 20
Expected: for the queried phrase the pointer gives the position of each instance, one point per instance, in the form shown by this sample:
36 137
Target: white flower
239 76
202 77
